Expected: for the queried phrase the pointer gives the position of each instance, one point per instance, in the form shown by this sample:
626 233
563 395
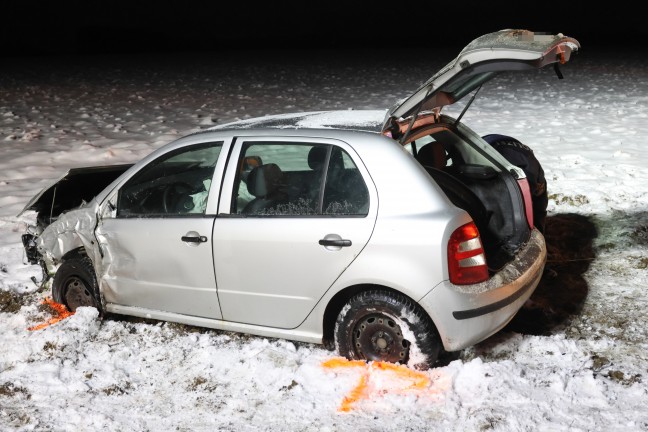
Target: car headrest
264 180
432 155
317 157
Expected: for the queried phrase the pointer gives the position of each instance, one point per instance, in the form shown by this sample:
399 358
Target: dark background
96 27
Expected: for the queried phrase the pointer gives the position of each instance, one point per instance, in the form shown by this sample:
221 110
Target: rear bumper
467 314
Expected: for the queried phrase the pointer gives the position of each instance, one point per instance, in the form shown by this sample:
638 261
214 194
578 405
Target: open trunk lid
480 61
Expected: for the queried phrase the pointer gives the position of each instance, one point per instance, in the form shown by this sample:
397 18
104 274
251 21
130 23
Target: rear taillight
466 259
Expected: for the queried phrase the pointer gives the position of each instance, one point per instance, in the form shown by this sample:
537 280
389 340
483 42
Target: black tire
75 284
369 328
522 156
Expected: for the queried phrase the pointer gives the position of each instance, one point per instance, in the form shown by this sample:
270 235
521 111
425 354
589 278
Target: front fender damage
72 230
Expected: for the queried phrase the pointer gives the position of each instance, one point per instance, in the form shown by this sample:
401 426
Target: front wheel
380 325
75 284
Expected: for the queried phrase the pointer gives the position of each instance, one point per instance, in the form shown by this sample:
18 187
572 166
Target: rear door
294 214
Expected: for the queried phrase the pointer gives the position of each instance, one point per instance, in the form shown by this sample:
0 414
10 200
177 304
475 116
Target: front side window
176 184
298 179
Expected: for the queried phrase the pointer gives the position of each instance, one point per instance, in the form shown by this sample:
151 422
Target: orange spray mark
407 380
357 393
418 379
59 313
341 362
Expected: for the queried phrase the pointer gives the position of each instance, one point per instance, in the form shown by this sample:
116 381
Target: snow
370 120
587 373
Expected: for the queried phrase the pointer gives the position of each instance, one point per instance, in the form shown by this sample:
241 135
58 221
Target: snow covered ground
575 360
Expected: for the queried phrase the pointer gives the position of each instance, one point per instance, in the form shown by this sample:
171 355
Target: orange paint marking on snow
59 311
358 392
383 373
341 362
419 379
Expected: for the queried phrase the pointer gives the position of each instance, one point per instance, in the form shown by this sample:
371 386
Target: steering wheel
174 194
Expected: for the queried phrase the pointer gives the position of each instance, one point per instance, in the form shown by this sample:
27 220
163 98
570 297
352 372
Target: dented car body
316 226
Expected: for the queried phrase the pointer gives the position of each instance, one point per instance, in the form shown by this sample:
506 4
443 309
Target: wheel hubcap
77 294
378 337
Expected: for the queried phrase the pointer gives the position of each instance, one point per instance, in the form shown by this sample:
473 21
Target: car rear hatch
479 62
476 178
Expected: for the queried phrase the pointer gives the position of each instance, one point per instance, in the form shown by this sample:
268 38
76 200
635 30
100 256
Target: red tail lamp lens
466 259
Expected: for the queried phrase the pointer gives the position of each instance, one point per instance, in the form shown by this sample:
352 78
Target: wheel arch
79 251
337 302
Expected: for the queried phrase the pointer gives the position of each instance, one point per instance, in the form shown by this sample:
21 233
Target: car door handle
335 242
194 239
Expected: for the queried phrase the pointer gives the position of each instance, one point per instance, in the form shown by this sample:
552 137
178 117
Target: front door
297 217
158 246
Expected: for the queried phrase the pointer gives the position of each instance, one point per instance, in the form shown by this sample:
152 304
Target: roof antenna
467 105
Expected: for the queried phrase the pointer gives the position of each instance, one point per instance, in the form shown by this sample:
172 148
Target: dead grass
10 302
9 389
575 200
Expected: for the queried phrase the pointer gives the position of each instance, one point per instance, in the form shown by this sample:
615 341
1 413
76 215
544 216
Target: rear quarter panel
407 249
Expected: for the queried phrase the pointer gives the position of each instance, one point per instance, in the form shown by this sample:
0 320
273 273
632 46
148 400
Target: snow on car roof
363 120
515 39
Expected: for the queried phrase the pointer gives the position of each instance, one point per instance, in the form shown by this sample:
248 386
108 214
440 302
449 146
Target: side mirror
108 209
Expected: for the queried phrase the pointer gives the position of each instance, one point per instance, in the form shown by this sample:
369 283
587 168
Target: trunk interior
476 183
486 201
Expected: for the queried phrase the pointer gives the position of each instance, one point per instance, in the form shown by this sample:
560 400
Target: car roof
358 120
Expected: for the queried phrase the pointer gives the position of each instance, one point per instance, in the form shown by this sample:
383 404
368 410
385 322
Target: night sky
94 27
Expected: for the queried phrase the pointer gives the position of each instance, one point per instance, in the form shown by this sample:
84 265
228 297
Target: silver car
392 233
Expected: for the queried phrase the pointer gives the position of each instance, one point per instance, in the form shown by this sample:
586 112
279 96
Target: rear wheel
381 325
75 284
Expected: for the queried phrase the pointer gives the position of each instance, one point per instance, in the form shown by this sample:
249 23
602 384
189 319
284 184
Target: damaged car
394 234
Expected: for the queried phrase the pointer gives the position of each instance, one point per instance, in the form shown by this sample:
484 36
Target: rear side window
298 179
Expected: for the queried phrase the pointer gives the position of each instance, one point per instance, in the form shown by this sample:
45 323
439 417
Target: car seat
432 155
264 184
